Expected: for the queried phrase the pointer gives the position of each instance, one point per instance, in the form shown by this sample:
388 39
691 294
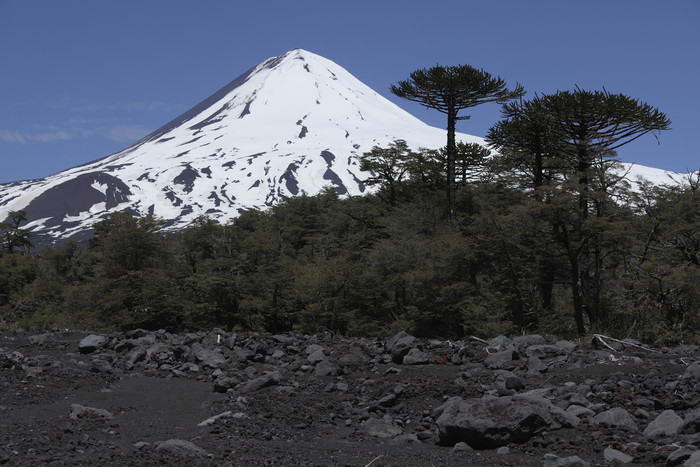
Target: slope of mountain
294 123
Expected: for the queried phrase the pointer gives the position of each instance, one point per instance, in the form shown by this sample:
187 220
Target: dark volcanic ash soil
154 398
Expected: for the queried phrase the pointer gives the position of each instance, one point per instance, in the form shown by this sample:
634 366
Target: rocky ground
154 398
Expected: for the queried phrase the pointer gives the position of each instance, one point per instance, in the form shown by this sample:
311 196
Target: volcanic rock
488 423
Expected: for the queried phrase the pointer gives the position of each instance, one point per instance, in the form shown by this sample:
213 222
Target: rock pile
530 400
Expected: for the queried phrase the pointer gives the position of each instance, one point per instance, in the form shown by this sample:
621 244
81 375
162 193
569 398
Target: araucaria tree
449 90
568 141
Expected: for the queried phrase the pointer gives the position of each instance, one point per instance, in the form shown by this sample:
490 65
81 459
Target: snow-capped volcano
294 123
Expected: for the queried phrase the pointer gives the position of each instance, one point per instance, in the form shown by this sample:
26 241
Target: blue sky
81 80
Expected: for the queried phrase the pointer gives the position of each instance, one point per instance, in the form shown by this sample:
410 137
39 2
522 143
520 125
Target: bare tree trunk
451 156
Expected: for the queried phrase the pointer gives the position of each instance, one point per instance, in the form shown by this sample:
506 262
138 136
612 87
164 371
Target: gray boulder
269 379
499 343
208 357
223 415
616 417
680 455
316 356
79 411
225 382
693 460
91 343
692 372
557 414
326 368
353 359
580 412
691 424
489 423
400 345
381 429
181 447
134 356
523 342
666 424
416 357
550 350
498 360
41 339
613 455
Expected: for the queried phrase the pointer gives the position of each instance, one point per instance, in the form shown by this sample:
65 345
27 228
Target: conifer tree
388 167
527 140
12 236
449 90
579 132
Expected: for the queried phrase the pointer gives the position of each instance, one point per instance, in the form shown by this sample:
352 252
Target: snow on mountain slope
294 123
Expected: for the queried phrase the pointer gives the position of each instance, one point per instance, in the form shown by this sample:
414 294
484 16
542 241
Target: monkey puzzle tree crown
452 88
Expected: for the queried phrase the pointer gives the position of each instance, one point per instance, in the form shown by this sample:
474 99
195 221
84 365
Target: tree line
542 235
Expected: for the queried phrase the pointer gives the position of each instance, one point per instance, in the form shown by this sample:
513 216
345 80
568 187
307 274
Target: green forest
541 233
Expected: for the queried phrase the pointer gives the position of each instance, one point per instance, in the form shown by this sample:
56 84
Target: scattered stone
91 343
400 345
269 379
489 423
580 412
40 339
416 357
224 382
691 424
78 411
498 344
316 356
680 455
500 359
535 365
515 383
692 372
580 399
462 446
611 455
693 460
552 460
381 429
387 401
354 359
616 417
325 368
523 342
666 424
408 438
182 447
208 357
216 418
134 356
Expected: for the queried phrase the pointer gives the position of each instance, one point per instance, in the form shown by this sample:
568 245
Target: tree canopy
540 232
449 90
